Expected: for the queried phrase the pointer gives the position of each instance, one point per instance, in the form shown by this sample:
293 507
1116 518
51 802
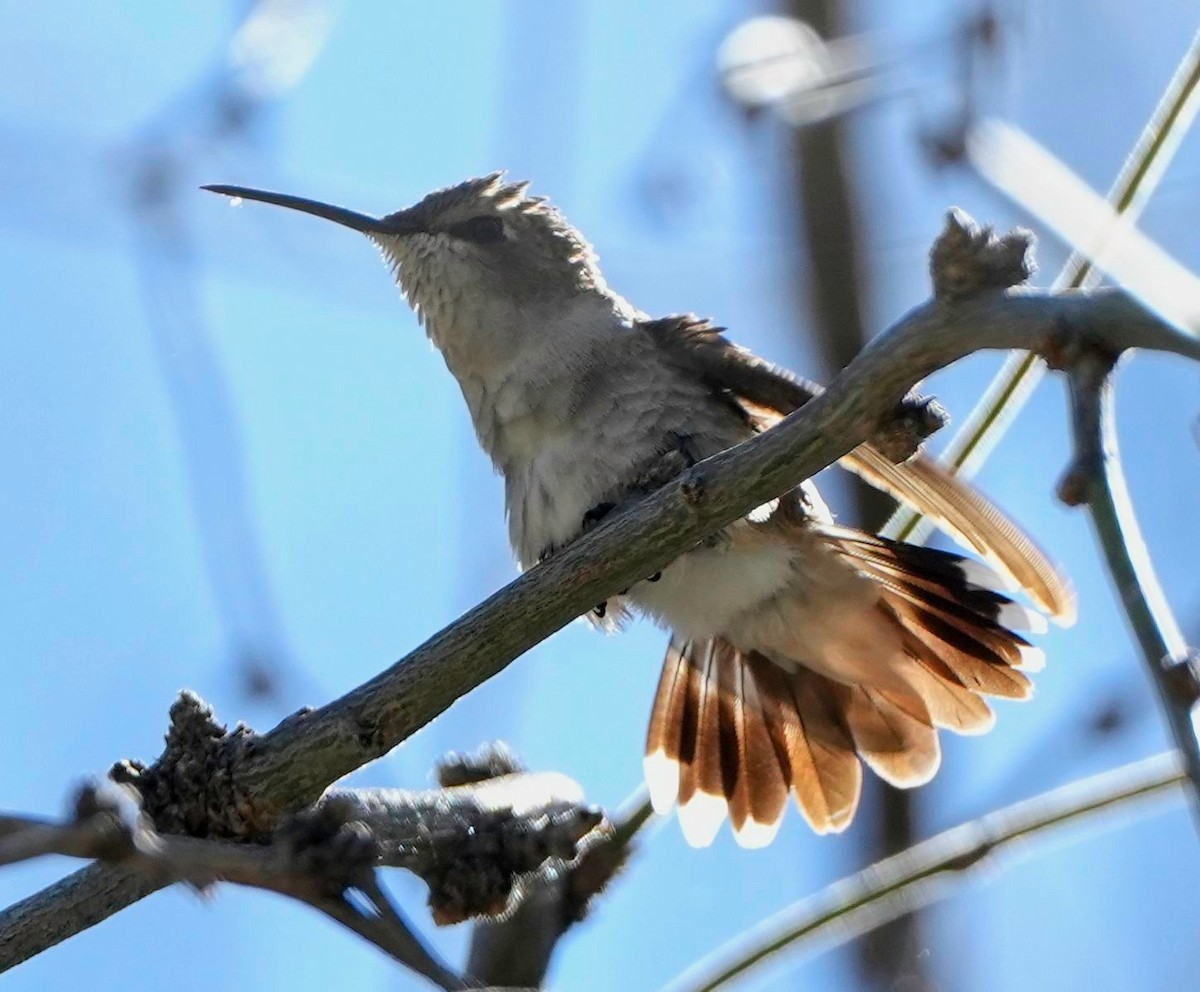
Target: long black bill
396 224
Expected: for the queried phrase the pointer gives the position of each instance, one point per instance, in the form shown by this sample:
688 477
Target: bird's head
481 263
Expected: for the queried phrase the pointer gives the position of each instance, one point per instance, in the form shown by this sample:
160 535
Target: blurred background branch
270 50
834 287
930 871
1096 238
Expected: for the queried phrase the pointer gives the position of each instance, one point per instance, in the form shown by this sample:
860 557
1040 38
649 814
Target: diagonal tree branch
289 767
295 762
69 906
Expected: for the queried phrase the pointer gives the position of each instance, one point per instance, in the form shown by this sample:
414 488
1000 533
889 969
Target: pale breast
597 428
549 493
703 592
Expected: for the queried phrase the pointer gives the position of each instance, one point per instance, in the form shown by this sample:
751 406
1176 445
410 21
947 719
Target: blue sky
372 519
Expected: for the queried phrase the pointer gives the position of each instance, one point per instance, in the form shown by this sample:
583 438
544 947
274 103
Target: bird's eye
484 230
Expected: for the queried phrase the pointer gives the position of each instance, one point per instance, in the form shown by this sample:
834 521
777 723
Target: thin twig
931 871
388 930
1138 179
1095 478
636 812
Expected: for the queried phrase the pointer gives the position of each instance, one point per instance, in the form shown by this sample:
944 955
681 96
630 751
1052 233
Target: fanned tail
971 519
956 626
733 732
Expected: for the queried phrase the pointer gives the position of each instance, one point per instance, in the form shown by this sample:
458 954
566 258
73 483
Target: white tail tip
662 781
701 817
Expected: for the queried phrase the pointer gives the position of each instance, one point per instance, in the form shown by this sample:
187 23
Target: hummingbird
800 648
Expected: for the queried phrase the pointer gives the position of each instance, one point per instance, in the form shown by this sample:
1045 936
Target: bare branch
388 930
516 949
263 778
927 873
471 843
318 858
1095 478
69 906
